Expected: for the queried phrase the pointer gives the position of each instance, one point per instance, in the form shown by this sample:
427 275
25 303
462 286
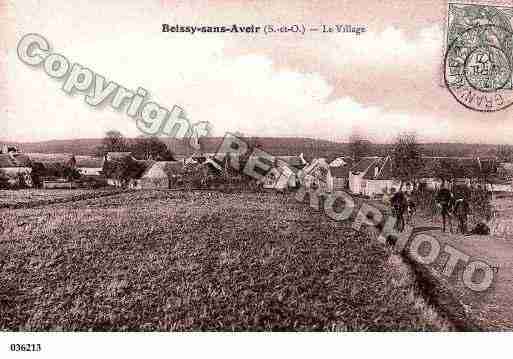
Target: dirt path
493 308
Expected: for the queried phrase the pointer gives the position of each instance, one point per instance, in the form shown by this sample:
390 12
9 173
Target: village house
89 166
372 176
161 175
339 169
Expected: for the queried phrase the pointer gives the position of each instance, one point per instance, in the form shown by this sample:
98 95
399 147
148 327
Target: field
159 260
35 197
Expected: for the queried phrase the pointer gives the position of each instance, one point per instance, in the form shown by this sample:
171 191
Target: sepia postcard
171 166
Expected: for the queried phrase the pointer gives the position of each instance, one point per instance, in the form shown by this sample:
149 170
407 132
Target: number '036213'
25 347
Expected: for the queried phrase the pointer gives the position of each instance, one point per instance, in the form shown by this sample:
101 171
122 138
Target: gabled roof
364 164
14 161
169 168
386 171
294 161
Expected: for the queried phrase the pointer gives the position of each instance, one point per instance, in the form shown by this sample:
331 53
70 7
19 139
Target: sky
327 86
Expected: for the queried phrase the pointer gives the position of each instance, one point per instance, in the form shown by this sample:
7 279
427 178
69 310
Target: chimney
5 149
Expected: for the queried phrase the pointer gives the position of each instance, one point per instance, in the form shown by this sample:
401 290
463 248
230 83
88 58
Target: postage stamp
478 60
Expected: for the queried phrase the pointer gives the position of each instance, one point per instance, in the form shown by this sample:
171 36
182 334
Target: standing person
399 206
445 199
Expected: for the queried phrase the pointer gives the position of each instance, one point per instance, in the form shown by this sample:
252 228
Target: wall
59 185
86 171
372 188
355 183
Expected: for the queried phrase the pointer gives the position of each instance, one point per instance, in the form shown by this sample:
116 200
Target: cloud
315 86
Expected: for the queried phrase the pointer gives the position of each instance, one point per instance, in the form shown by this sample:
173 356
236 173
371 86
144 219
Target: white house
161 175
372 176
358 171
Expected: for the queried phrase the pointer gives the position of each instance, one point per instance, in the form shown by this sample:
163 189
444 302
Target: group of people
449 205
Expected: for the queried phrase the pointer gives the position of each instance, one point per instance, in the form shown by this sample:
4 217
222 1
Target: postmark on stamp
478 63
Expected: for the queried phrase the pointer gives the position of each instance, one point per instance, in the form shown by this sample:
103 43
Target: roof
364 164
88 162
168 167
341 161
16 161
386 170
294 161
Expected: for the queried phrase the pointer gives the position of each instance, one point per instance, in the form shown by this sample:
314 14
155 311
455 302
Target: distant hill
311 148
273 145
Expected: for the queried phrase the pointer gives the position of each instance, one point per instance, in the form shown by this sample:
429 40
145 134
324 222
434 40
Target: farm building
339 169
372 176
358 171
161 175
89 166
379 178
16 167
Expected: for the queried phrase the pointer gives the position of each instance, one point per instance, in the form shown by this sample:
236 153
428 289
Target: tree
123 170
358 147
407 158
114 141
151 148
504 153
